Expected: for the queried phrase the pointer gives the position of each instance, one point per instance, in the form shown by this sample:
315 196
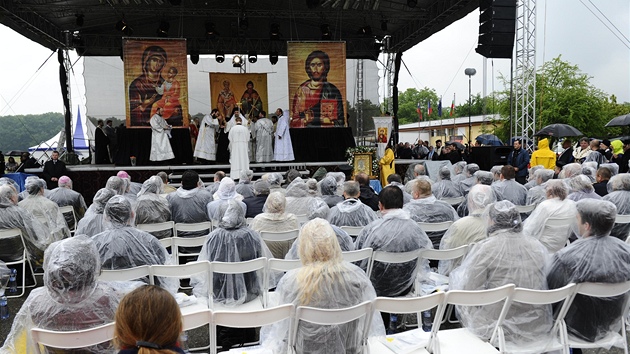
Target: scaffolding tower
524 82
359 101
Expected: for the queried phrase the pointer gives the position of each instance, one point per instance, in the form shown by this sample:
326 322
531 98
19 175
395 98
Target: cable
611 31
609 21
460 68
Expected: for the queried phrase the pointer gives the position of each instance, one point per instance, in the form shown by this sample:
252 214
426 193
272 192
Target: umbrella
558 130
489 139
14 153
457 144
619 121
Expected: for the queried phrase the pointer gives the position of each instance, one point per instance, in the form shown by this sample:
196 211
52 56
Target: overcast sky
564 27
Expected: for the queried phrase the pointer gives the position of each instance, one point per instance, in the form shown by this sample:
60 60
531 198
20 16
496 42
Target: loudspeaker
497 25
488 156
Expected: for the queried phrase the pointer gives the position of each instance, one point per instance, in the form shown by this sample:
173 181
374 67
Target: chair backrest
10 233
353 231
69 209
622 219
283 265
196 319
238 267
394 257
160 226
126 274
73 339
187 242
559 221
409 304
280 236
167 242
200 226
302 219
180 270
441 255
435 226
257 318
454 200
479 297
357 255
603 289
250 221
525 208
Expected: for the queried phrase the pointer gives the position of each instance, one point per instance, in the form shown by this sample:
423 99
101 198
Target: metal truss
525 71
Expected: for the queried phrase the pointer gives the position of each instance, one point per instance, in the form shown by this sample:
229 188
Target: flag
429 109
440 107
419 110
453 105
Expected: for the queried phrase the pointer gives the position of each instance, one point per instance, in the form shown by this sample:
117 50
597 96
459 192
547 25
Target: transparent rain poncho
552 237
406 196
29 180
72 298
570 170
351 212
431 210
45 210
340 177
232 241
298 197
394 232
620 196
597 258
328 189
612 167
324 281
275 182
245 186
116 184
65 196
458 172
472 228
274 219
511 191
537 193
92 222
189 206
134 187
581 187
469 178
151 207
36 236
122 246
531 179
444 187
313 189
505 257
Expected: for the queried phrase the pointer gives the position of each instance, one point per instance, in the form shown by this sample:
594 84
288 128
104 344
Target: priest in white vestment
206 147
239 141
160 146
263 131
284 148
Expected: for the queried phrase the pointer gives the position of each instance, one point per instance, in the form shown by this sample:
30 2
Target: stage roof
363 24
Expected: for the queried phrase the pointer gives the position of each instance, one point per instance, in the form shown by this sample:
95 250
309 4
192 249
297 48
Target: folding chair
8 235
258 264
249 319
623 219
558 222
126 274
280 236
195 316
395 257
69 209
435 226
160 226
191 242
277 265
461 340
302 219
422 341
167 243
525 209
557 339
72 339
603 290
327 317
358 255
192 227
181 271
353 231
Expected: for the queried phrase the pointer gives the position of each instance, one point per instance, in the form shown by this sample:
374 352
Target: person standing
205 147
387 164
194 131
263 132
112 139
100 145
519 158
283 149
239 139
53 169
160 146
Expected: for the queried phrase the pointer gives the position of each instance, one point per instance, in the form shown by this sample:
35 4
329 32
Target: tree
22 131
408 104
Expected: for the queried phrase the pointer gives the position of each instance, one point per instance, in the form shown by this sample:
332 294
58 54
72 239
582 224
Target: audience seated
45 210
469 178
505 257
245 186
166 189
218 176
151 207
531 177
602 177
64 196
620 196
324 281
367 195
225 193
507 188
188 203
537 193
328 188
444 187
274 219
298 198
595 257
92 222
312 186
275 183
581 187
255 204
351 212
134 187
395 180
116 184
458 172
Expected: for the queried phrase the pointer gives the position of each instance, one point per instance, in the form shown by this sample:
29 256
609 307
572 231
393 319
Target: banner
317 84
156 80
383 129
226 89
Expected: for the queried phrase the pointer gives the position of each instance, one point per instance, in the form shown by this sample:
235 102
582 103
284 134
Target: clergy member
284 148
239 140
160 146
263 131
206 148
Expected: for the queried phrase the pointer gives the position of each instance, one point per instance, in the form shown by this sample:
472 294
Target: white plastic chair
327 317
358 255
126 274
542 298
191 227
435 226
254 265
612 338
353 231
280 236
167 243
192 320
454 201
424 340
277 265
461 340
249 319
558 222
160 226
69 209
302 219
395 257
181 271
72 339
14 233
186 242
622 219
524 209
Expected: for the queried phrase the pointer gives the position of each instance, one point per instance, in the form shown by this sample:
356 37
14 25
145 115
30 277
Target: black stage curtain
137 142
321 144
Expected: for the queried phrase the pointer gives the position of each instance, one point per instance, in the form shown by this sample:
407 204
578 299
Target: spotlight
252 57
237 61
210 29
273 58
384 25
325 31
162 30
194 56
220 56
412 3
80 20
274 32
121 25
365 30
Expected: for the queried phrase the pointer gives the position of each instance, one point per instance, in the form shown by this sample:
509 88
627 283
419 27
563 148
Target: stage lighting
210 29
220 56
194 56
121 25
325 32
162 30
412 3
252 57
365 30
274 32
273 58
80 20
237 61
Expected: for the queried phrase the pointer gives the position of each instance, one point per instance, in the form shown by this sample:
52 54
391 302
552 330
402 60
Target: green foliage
408 105
22 131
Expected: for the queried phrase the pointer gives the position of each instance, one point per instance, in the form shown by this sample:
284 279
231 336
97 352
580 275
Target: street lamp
470 72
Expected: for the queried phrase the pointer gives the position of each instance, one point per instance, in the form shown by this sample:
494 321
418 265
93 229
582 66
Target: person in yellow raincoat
543 156
387 164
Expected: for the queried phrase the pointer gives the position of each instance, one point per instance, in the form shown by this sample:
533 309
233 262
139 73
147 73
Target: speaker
488 156
497 25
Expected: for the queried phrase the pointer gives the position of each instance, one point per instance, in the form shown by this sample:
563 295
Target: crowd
508 246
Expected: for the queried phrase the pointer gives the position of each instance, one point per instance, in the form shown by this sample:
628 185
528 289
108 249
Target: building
450 129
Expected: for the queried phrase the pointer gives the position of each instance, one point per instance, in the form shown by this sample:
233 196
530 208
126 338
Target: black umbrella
489 139
557 130
14 153
620 121
457 144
